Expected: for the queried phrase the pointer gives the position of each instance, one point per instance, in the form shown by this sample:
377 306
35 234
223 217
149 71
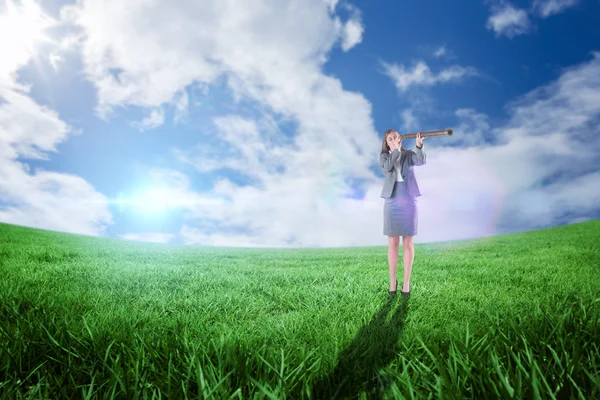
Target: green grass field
511 316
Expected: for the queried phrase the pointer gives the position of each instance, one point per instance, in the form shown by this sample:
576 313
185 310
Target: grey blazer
406 160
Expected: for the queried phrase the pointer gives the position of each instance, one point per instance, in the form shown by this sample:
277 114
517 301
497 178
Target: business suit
406 159
400 207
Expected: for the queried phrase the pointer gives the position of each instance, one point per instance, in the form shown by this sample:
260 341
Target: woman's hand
419 140
398 142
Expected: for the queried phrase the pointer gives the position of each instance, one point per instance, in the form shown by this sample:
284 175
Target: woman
400 191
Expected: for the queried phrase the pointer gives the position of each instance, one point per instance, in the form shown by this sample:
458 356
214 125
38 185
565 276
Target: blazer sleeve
387 161
417 157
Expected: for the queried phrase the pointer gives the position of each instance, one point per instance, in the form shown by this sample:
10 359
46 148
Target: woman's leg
393 244
409 256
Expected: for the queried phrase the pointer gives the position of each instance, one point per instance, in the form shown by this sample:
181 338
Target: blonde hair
384 146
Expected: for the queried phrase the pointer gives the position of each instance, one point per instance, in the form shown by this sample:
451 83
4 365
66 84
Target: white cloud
472 129
22 28
181 105
409 120
353 29
473 191
508 21
41 199
155 119
30 129
135 55
331 4
51 200
440 51
543 169
562 107
545 8
302 187
55 59
152 237
421 74
250 147
62 48
576 196
280 72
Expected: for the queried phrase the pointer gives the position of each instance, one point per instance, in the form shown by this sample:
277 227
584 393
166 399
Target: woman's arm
387 161
417 157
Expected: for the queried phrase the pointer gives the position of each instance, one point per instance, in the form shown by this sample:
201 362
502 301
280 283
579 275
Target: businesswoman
400 191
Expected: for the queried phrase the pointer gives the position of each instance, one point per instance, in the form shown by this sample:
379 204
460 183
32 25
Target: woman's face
390 139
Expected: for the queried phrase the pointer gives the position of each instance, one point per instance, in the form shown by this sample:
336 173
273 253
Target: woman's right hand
398 142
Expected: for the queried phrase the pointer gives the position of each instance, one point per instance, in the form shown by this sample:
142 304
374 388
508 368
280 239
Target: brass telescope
442 132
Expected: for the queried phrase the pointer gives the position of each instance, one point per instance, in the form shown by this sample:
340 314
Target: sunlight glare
154 200
21 29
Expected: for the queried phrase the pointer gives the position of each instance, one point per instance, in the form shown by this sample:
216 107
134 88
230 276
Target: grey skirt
400 212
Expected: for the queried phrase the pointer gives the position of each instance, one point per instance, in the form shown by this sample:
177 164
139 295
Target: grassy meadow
513 317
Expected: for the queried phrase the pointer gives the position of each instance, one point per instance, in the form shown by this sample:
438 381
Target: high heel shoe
392 292
405 294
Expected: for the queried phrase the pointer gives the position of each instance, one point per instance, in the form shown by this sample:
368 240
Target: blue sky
259 123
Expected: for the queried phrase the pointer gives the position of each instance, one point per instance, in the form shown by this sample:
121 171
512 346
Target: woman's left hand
419 140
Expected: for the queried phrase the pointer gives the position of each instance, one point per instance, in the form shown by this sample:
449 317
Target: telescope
442 132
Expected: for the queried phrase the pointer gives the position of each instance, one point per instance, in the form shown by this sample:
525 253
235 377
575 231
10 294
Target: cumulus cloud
546 8
21 29
136 56
42 199
353 29
564 106
316 186
540 170
30 129
473 129
155 119
421 74
331 4
50 200
409 119
508 21
311 171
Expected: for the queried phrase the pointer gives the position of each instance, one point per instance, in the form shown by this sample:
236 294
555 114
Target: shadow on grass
374 347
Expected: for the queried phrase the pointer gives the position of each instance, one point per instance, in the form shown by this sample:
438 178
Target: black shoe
394 291
405 294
